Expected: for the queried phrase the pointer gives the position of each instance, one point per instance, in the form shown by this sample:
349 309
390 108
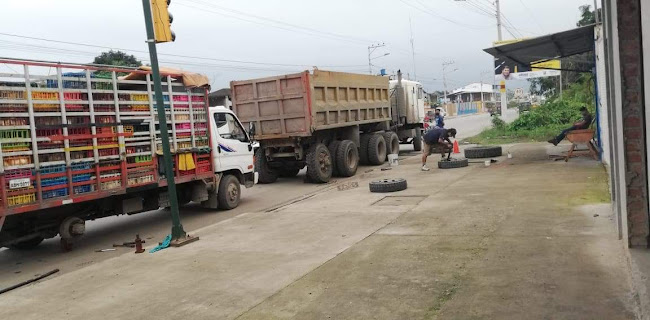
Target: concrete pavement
526 238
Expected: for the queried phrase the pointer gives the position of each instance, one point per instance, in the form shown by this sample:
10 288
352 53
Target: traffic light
162 21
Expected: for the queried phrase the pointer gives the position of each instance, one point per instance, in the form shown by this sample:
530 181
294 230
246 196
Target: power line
532 15
173 55
428 11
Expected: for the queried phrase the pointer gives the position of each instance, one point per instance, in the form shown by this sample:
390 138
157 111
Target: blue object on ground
163 245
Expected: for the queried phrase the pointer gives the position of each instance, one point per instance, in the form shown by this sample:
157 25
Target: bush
498 123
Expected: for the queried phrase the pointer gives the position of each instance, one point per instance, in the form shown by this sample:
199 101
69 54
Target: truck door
231 143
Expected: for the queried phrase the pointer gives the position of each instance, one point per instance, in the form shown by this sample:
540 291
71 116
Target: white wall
602 105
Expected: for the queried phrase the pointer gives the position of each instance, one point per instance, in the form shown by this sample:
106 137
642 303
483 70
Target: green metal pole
177 227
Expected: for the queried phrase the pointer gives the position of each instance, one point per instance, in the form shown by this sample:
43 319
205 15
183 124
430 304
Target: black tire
376 149
333 147
319 164
483 152
363 148
392 143
347 159
266 175
229 192
417 141
453 163
28 244
290 172
388 185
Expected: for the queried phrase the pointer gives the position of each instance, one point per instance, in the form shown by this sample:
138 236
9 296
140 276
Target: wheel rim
351 158
233 193
324 161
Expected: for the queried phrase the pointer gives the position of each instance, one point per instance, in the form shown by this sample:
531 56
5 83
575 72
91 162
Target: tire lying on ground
483 152
388 185
347 158
392 142
453 163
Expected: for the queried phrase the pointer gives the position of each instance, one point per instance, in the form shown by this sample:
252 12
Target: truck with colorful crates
81 142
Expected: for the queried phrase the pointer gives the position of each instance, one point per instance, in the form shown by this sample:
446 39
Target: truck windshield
229 128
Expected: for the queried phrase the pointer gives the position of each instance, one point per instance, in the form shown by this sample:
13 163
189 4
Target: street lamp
372 49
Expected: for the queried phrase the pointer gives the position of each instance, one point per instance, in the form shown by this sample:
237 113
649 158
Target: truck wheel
483 152
229 192
388 185
289 172
266 175
28 244
376 149
392 142
333 147
319 163
417 141
347 158
363 148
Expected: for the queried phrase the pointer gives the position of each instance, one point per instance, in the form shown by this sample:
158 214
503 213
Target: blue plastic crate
81 177
82 189
53 169
81 166
48 182
55 193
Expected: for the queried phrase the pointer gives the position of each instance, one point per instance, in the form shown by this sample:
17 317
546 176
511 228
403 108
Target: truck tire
229 192
333 147
289 172
392 143
319 163
347 158
266 175
376 149
363 148
452 163
388 185
28 244
417 140
483 152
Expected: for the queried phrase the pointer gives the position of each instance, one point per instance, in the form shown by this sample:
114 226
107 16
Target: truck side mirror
251 129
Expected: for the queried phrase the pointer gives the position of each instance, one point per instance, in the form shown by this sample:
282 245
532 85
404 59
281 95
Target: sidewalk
525 238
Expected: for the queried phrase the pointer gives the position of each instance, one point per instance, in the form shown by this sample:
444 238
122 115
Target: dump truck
327 121
407 110
81 142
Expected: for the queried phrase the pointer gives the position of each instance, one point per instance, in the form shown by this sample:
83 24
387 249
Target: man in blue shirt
439 119
437 139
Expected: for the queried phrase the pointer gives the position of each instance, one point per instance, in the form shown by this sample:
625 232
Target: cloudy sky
234 40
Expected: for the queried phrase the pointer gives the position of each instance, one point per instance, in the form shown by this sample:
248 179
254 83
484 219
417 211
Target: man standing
437 139
584 123
439 119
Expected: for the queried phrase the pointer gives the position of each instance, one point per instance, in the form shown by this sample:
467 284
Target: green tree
115 58
587 16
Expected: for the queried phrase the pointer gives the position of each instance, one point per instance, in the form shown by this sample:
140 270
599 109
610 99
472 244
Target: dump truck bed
296 105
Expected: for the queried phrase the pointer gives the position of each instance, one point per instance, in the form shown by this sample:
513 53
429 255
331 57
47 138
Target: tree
115 58
587 16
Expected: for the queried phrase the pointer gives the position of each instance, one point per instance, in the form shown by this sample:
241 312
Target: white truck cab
232 155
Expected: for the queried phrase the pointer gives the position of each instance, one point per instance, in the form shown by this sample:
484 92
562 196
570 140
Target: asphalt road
17 266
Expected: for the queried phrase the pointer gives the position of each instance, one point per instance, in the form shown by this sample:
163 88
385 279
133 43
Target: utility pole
179 237
444 77
372 49
415 76
498 20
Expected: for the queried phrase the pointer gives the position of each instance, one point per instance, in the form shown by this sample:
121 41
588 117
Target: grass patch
504 135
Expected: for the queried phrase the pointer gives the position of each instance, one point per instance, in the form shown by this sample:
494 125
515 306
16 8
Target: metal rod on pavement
177 227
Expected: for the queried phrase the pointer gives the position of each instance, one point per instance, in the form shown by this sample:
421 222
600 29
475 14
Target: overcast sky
274 37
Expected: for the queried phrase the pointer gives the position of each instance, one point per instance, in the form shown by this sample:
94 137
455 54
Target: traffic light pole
179 237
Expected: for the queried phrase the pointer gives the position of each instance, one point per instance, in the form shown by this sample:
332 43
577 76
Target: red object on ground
456 148
138 244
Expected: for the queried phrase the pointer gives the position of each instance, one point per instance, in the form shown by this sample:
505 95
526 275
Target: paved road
469 126
16 266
